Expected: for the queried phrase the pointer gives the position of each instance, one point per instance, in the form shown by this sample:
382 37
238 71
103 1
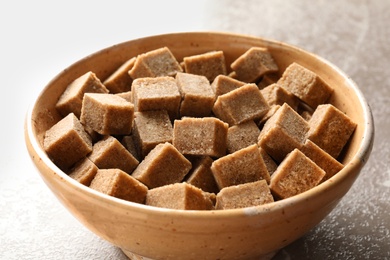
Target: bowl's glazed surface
174 234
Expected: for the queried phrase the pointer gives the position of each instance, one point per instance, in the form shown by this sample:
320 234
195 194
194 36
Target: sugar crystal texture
149 64
71 99
283 132
83 171
119 184
197 95
150 129
244 195
210 64
223 84
242 166
276 95
179 196
163 165
305 84
330 129
242 135
296 174
120 80
329 164
107 114
241 105
201 175
129 143
110 153
66 142
270 164
253 64
200 136
161 93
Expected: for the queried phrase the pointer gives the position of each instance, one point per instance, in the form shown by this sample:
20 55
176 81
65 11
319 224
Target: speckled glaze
144 232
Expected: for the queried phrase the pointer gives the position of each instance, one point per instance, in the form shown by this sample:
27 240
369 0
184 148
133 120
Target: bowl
145 232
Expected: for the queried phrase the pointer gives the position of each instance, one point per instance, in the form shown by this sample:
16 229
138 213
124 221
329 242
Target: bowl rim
358 160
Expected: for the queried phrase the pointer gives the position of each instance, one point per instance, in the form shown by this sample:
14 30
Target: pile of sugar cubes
191 135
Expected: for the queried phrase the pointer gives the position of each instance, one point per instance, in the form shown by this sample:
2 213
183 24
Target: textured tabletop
40 38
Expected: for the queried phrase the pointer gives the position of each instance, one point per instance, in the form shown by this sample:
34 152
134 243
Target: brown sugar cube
210 64
305 84
270 164
110 153
241 105
330 129
120 80
283 132
296 174
160 93
182 196
197 95
129 143
71 100
242 135
163 165
151 128
83 171
201 176
329 164
253 64
244 195
245 165
200 136
107 114
119 184
156 63
276 95
126 96
223 84
66 142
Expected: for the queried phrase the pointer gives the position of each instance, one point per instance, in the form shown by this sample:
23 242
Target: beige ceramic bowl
144 232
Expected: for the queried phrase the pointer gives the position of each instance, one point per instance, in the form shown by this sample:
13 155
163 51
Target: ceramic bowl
144 232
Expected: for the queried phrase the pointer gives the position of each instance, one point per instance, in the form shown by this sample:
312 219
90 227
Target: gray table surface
40 38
